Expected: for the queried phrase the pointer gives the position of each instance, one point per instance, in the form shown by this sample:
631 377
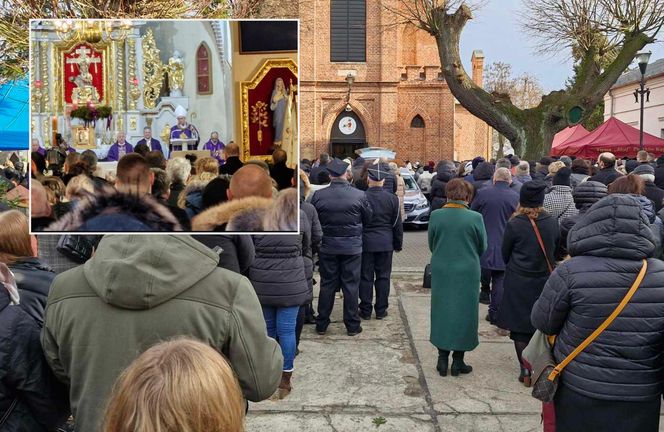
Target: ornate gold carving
133 122
245 86
122 97
134 92
83 137
37 89
45 77
153 71
45 133
58 72
165 134
259 116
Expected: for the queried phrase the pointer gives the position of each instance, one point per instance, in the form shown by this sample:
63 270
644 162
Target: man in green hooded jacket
137 291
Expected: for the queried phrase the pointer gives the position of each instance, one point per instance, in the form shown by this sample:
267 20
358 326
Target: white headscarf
7 280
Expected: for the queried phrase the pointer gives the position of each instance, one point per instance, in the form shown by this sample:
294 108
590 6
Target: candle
54 127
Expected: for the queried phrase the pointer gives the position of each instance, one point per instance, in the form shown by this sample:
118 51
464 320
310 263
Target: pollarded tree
595 29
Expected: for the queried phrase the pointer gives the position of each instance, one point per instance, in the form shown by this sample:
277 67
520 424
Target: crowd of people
555 246
550 246
147 192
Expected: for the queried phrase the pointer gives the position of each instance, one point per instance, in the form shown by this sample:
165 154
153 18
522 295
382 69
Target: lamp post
350 79
642 59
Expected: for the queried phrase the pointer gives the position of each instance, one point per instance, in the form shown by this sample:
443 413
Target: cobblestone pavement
415 254
385 379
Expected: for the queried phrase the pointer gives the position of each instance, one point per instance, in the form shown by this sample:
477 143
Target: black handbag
426 283
76 247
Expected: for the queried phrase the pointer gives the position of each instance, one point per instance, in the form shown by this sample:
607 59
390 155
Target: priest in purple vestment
153 144
120 148
183 130
36 147
216 147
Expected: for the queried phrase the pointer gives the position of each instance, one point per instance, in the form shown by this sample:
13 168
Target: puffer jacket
444 173
483 175
585 195
278 273
342 210
626 361
33 280
42 403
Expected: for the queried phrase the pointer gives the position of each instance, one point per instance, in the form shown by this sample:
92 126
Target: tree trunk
530 131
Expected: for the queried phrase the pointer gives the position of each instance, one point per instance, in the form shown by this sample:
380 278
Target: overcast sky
496 31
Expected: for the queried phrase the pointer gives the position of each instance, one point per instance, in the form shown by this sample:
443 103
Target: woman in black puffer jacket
279 278
445 171
32 277
31 397
616 383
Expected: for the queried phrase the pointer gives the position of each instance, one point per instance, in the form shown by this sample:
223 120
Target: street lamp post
349 79
642 59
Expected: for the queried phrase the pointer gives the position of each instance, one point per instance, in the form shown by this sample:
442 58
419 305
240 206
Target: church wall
472 136
245 66
211 112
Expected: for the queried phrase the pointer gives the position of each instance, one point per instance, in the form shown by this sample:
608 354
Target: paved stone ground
387 374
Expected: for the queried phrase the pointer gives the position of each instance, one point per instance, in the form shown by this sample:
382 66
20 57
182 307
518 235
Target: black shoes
381 316
365 317
354 332
321 331
459 367
485 297
310 319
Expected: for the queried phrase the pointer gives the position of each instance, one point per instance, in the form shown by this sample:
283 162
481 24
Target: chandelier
92 31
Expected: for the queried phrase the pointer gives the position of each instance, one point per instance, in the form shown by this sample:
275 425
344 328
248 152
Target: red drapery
263 93
71 70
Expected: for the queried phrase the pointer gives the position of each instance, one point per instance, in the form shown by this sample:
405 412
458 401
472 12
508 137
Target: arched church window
348 31
203 70
417 122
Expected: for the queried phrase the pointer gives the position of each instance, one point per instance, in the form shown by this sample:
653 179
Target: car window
411 185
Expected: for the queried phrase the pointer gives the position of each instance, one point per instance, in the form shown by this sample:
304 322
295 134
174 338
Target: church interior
176 86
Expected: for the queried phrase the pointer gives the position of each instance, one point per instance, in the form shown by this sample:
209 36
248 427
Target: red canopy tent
612 136
567 135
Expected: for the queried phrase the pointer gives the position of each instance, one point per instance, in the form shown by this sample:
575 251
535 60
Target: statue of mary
278 104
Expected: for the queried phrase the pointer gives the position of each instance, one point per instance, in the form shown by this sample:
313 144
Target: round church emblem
347 125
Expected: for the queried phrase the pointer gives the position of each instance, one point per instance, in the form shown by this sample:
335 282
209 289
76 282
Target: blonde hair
306 185
530 212
14 237
79 186
177 386
283 215
206 164
554 167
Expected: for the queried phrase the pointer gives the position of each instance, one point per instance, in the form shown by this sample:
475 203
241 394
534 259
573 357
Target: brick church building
398 97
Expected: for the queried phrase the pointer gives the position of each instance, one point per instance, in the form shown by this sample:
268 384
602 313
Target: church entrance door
347 135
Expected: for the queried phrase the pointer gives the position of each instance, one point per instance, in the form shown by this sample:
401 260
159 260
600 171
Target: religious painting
83 71
268 109
258 37
83 137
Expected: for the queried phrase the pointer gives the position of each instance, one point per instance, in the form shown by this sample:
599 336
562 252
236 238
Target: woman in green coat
457 239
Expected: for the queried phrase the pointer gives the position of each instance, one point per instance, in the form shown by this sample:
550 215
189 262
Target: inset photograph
164 126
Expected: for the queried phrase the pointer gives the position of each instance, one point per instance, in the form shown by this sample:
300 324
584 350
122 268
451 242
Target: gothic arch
359 109
203 69
409 45
428 122
417 122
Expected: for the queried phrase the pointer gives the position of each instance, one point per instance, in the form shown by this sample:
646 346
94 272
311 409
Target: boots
285 384
524 376
443 362
458 365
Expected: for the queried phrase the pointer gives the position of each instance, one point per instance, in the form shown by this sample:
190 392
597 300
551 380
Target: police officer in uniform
382 235
343 211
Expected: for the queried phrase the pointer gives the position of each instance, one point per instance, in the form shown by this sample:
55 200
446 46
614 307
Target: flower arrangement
91 113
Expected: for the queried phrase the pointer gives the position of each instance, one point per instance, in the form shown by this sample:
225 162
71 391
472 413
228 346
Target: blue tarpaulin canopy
14 121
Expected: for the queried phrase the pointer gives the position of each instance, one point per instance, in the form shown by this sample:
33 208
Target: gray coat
626 362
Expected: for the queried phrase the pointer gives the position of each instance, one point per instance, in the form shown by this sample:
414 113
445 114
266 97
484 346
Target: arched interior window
417 122
203 70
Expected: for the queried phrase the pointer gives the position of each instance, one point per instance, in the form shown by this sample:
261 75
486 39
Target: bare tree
605 34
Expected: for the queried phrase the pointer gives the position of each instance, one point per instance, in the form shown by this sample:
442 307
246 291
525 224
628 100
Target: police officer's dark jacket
342 211
384 232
